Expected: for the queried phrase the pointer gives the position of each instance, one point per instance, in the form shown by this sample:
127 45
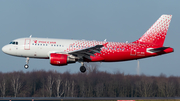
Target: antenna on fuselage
126 41
104 40
30 36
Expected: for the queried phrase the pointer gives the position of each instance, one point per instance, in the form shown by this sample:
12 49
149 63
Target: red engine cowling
58 59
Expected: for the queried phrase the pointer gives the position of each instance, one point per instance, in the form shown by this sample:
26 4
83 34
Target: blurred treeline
93 83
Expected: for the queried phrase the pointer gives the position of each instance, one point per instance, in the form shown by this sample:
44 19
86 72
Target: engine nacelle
60 59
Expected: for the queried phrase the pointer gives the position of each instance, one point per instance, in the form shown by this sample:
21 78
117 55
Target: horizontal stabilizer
155 50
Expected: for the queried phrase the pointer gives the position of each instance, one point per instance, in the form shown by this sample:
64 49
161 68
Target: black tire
83 69
26 66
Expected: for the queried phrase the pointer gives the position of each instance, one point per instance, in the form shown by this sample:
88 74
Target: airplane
61 52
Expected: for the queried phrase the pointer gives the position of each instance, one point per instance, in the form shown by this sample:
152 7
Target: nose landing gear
26 66
82 68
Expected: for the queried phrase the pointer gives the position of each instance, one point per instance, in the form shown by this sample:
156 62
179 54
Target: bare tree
69 88
144 87
82 89
166 88
50 82
170 89
3 87
65 88
99 89
93 84
72 91
43 87
58 85
16 84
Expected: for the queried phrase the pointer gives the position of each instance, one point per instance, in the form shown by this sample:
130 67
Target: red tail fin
157 33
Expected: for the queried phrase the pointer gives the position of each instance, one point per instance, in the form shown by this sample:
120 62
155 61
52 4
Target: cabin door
27 44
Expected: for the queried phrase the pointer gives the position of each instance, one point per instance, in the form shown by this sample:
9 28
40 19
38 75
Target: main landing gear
82 68
26 66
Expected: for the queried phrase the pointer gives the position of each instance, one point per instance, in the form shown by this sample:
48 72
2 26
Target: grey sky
114 20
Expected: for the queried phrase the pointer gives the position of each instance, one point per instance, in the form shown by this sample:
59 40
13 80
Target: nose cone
10 50
4 49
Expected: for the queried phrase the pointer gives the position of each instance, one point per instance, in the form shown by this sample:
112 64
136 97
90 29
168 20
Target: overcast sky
114 20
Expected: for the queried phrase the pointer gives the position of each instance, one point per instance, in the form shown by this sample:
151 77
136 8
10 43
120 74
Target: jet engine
60 59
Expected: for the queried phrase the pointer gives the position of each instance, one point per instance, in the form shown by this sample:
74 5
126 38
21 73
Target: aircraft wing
86 52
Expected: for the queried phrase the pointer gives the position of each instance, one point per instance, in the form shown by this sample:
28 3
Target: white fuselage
36 47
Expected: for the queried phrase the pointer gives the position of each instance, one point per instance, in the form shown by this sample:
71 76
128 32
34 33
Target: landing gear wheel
26 66
82 69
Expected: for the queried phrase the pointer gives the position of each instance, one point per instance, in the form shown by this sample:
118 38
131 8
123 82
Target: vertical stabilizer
157 33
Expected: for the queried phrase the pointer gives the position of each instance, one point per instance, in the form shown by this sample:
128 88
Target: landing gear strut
26 66
82 68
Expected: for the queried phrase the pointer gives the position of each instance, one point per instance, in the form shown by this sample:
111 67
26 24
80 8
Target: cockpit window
14 43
